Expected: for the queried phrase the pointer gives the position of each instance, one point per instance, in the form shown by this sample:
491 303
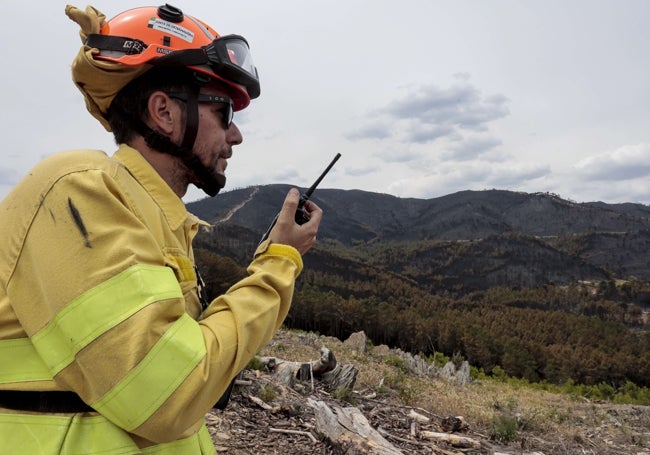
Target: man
105 345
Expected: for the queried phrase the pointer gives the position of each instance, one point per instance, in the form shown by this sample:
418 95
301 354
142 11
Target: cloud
401 154
619 175
429 113
460 106
514 175
451 177
377 130
423 133
472 147
624 163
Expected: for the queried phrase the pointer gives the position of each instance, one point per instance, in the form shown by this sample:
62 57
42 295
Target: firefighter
105 343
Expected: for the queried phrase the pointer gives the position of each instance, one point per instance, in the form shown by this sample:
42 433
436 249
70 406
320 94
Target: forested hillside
545 289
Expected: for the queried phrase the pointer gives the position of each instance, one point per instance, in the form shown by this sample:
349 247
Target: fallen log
416 417
452 439
348 430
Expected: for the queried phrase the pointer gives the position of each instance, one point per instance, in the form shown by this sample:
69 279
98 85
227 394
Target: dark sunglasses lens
228 115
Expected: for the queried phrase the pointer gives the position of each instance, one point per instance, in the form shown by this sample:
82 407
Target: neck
167 166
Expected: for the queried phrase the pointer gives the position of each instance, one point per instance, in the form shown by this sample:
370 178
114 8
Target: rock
358 342
463 374
381 351
413 364
448 372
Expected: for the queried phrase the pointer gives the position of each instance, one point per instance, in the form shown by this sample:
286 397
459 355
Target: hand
286 231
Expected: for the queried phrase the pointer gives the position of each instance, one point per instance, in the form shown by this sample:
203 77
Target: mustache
226 153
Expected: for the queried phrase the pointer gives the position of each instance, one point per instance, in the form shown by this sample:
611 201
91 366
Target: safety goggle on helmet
164 36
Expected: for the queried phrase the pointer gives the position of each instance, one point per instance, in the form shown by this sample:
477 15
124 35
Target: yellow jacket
98 296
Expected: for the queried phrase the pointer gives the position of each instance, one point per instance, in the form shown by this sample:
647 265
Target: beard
208 179
212 184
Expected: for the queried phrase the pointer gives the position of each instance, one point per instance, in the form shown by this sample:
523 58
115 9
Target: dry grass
549 422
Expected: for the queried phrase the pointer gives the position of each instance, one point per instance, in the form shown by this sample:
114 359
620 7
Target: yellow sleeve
234 327
255 306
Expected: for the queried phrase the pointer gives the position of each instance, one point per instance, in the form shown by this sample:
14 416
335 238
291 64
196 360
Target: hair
130 103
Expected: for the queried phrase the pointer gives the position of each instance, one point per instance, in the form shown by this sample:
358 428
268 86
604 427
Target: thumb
290 205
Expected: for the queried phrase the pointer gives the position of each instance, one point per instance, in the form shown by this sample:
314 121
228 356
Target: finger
290 205
315 212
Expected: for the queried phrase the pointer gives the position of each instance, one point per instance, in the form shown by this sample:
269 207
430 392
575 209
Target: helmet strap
192 118
208 181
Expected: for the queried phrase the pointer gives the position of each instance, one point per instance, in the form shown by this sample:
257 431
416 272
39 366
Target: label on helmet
171 28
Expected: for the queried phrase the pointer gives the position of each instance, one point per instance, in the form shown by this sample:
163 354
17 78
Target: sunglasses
227 112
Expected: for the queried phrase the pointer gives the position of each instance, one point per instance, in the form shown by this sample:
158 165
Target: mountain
484 238
544 288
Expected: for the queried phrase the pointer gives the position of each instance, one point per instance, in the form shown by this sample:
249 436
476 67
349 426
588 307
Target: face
214 143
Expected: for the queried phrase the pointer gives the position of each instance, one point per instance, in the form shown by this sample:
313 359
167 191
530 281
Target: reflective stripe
20 362
136 397
76 435
198 443
100 309
64 435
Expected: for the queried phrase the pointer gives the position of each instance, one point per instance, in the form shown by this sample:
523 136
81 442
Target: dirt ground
268 417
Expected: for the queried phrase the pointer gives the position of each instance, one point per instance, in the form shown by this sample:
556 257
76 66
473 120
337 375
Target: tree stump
326 369
341 377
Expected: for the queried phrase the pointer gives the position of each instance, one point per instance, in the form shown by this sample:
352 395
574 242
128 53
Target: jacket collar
170 204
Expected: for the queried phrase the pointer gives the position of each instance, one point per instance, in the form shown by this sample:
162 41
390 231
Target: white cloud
377 130
624 163
460 106
451 177
428 113
473 147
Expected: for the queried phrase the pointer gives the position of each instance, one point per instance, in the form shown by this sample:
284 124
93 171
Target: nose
233 135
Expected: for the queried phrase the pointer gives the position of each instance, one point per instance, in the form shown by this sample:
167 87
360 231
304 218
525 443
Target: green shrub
344 394
408 393
268 393
439 359
395 361
503 429
255 364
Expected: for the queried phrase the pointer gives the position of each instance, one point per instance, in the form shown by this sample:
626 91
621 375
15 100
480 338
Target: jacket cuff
276 249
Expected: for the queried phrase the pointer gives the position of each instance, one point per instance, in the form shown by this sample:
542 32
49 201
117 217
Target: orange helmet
164 36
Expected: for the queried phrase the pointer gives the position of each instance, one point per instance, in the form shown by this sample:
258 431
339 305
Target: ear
163 112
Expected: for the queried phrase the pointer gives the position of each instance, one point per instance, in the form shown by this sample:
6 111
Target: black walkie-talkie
301 214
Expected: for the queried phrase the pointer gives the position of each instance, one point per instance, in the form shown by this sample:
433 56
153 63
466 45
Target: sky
422 98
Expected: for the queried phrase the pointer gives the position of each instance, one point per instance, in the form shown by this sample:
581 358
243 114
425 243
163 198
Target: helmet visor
229 56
